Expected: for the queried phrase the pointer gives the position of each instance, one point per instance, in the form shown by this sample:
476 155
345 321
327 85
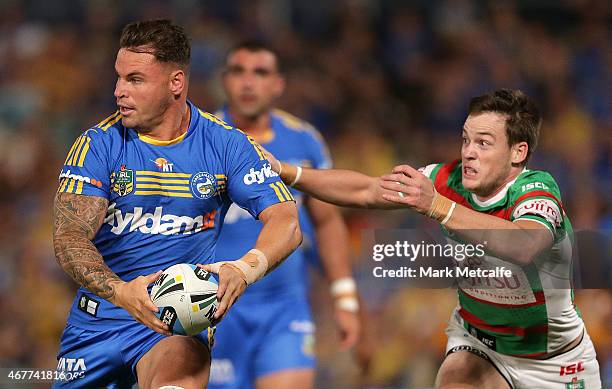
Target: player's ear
178 81
280 86
519 152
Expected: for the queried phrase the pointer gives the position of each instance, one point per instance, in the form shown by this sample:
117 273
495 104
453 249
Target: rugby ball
187 298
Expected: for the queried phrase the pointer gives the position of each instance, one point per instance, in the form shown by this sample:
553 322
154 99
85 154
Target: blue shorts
261 337
107 358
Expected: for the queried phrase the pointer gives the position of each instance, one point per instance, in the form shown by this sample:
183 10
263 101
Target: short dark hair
523 115
255 46
166 41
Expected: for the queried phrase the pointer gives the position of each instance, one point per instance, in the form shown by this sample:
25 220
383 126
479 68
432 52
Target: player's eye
235 70
262 72
465 140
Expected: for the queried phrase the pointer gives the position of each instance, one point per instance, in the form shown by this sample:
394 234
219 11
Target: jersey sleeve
317 149
251 183
85 169
538 199
430 171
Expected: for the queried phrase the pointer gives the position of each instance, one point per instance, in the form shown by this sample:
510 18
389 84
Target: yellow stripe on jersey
108 119
71 186
71 152
79 188
164 187
214 119
160 174
84 153
257 147
285 190
77 151
63 184
161 193
278 193
109 124
161 180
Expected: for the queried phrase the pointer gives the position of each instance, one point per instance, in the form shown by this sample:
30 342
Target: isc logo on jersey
259 176
156 222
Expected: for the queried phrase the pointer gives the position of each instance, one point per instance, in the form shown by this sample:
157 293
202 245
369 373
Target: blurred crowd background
384 81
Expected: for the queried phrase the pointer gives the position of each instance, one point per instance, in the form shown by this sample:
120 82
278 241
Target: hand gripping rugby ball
186 297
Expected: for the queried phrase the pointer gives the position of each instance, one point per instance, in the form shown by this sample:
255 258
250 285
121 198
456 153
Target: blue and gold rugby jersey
291 140
167 200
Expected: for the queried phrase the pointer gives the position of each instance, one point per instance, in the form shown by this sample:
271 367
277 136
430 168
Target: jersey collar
192 124
499 196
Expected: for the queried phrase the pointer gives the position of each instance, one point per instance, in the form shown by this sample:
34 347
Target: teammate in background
147 188
530 337
266 341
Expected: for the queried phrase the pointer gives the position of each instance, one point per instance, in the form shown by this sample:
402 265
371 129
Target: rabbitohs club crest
123 181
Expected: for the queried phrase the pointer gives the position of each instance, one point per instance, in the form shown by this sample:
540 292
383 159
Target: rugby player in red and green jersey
529 335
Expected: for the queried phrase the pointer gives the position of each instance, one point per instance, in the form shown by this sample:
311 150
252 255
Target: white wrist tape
252 267
348 303
298 174
342 287
449 214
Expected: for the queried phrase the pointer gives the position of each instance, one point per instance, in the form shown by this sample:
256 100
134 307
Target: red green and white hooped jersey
522 315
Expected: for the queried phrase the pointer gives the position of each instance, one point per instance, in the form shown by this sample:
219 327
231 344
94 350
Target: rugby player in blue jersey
146 188
266 341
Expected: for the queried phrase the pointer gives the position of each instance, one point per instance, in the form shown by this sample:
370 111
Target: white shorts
575 369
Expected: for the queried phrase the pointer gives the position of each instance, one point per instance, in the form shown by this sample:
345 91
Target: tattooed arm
76 221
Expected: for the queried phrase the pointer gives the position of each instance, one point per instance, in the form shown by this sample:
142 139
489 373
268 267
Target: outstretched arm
346 188
76 220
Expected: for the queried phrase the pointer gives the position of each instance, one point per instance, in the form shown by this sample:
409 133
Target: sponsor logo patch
92 181
70 369
156 222
163 164
259 176
575 384
485 339
545 208
88 305
534 185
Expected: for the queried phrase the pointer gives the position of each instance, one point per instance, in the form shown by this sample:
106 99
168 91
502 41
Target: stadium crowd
384 82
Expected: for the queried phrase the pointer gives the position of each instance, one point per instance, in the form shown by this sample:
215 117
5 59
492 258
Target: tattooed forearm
76 221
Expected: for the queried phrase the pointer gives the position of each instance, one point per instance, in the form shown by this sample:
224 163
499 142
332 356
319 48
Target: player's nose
468 152
119 89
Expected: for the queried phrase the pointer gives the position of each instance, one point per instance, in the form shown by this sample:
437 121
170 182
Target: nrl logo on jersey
122 182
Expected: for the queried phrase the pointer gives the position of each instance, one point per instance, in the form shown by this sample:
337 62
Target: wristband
342 287
449 214
348 303
298 174
289 173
